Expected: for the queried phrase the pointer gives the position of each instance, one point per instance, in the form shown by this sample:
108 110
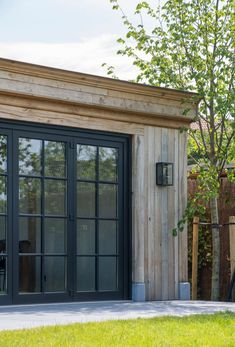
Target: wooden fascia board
67 107
97 81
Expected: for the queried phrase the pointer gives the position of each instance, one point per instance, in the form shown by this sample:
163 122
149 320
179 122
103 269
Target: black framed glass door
99 219
63 215
5 219
42 185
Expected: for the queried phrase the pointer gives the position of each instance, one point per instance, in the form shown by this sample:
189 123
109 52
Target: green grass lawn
204 330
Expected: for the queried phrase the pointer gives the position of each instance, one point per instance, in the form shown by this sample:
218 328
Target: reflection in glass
29 235
55 159
107 273
85 236
3 194
85 274
86 162
30 156
55 235
55 274
29 274
30 195
85 199
3 274
107 200
107 237
3 259
2 234
3 154
55 197
108 164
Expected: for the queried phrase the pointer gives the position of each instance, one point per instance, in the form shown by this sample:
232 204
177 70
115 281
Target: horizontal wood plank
67 108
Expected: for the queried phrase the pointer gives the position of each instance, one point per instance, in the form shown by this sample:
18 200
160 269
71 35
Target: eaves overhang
23 80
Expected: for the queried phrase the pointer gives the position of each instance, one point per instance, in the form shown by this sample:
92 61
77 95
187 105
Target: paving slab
30 316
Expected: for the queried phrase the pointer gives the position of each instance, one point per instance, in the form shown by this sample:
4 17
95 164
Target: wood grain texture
157 191
165 256
145 104
176 211
232 243
139 222
171 218
150 212
33 87
62 76
43 104
164 223
195 257
71 120
182 202
90 95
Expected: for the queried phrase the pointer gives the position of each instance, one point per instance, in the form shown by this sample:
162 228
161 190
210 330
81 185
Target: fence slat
232 248
195 257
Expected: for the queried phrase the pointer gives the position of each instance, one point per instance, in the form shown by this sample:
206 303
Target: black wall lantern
164 174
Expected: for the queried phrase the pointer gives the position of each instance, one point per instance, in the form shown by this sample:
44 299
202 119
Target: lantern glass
164 174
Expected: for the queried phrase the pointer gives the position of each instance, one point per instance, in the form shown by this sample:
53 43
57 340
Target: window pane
55 274
86 162
107 237
3 154
55 235
107 200
85 236
55 197
85 273
107 273
3 274
30 195
2 234
3 194
30 156
29 274
108 164
85 199
29 235
55 164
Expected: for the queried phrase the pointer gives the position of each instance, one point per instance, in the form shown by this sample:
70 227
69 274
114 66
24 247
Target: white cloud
97 3
84 56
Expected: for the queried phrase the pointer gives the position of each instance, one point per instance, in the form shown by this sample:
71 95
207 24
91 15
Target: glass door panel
3 214
30 267
86 162
30 212
86 274
108 273
86 236
108 164
86 199
97 218
42 216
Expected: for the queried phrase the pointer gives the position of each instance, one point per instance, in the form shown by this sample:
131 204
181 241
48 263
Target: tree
191 46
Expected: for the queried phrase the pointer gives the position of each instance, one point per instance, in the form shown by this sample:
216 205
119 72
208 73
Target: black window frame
71 136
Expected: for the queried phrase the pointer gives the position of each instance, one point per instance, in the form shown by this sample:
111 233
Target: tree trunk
215 250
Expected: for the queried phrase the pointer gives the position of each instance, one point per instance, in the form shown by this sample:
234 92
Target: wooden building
81 215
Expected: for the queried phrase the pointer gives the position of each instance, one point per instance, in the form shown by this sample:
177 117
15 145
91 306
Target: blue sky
72 34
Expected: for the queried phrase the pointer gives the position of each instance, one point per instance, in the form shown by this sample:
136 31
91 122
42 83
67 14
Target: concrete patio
29 316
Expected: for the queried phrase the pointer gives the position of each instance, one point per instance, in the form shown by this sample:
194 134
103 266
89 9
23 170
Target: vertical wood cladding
159 257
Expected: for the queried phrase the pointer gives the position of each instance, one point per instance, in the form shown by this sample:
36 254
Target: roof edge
41 71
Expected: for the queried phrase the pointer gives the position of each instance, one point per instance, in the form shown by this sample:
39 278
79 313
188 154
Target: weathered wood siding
152 116
159 258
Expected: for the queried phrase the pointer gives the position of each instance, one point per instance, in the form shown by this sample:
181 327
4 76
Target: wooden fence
226 209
